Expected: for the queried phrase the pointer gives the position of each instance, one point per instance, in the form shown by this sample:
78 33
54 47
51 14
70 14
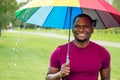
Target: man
86 59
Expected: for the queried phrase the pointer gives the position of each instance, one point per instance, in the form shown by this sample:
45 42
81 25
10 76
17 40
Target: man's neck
81 44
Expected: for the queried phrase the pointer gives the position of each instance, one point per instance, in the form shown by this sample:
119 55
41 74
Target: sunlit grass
106 35
26 57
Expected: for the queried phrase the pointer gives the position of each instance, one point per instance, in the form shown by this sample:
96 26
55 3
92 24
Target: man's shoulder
98 47
96 44
65 45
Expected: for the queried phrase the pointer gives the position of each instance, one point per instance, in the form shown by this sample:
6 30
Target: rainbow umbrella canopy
60 13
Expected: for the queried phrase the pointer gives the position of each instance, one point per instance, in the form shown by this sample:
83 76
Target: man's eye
85 26
76 26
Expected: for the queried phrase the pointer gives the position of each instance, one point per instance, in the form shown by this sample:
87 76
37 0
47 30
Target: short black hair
85 15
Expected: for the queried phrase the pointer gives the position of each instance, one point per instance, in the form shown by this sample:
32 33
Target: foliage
116 4
7 9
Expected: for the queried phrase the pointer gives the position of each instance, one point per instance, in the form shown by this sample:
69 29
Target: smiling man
86 59
82 30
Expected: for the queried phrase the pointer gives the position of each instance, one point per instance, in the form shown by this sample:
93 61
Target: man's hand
65 69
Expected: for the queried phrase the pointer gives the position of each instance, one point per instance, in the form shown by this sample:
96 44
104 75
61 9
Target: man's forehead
82 19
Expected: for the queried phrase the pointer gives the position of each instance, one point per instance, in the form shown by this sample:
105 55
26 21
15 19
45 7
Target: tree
116 4
7 12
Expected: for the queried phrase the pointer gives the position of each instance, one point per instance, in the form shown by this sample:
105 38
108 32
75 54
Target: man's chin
82 40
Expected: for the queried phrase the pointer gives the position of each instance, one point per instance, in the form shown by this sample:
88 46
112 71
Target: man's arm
56 73
105 74
53 74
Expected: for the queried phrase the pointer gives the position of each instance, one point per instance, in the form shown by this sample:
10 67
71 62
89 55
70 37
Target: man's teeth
81 34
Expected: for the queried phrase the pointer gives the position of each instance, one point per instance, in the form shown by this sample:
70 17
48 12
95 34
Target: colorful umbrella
60 13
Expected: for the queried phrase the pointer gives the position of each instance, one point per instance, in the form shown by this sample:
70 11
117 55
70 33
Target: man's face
82 29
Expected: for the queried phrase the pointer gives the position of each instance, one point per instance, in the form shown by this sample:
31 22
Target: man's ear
72 29
94 22
92 29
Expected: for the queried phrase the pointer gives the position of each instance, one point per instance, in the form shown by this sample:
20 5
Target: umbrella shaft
68 51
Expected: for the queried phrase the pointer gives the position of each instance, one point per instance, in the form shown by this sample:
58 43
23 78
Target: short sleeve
107 58
54 58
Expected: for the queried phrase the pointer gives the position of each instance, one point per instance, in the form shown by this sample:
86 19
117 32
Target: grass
106 35
26 57
115 66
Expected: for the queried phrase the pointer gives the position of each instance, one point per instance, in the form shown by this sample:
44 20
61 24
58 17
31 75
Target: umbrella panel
25 14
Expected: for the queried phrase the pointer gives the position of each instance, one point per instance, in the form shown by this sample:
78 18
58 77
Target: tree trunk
0 32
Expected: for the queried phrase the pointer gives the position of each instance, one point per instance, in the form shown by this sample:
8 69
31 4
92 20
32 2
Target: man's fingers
66 72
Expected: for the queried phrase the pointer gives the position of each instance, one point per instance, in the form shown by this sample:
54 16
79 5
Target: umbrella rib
100 18
65 17
36 9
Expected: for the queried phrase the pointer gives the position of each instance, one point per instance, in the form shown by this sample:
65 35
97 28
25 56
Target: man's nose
81 28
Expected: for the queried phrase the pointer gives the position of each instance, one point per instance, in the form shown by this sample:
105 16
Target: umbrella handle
67 59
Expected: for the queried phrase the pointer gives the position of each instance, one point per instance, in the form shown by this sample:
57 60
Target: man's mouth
81 34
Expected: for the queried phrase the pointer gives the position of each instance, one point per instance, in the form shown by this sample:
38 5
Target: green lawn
106 35
26 57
